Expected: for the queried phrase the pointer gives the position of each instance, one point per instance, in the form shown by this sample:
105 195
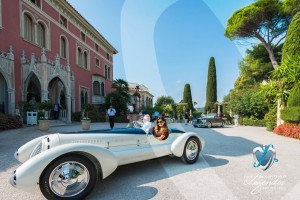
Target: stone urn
85 123
44 125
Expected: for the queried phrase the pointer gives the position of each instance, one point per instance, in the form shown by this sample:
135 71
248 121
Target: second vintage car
68 165
209 120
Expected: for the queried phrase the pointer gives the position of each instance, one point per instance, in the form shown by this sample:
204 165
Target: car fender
177 146
27 148
28 174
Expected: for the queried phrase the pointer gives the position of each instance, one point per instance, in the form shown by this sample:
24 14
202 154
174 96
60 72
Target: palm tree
121 86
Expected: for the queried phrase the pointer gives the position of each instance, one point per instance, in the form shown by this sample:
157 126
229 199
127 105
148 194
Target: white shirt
146 126
111 112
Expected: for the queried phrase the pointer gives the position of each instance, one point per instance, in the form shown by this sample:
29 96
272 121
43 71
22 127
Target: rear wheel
222 125
70 177
191 151
209 125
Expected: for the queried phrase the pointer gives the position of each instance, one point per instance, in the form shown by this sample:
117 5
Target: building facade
50 52
140 96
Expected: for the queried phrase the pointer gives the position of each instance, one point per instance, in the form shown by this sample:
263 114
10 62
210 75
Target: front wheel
191 151
70 177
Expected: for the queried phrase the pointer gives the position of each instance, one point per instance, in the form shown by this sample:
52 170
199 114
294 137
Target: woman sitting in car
161 130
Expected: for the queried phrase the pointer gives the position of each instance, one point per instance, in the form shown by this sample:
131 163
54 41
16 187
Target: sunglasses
160 121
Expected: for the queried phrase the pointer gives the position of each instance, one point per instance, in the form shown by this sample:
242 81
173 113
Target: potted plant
85 120
44 106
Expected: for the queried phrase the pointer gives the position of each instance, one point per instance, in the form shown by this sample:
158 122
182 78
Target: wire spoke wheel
191 151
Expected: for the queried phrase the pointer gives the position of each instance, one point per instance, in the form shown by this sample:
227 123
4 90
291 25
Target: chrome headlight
13 179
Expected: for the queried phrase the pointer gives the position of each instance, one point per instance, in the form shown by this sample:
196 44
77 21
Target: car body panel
111 148
28 174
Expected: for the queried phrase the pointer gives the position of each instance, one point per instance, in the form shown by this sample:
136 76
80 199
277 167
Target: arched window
63 47
105 73
41 35
79 56
85 59
102 89
28 28
81 99
108 73
96 88
86 98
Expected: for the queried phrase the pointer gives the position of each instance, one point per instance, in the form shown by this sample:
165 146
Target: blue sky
165 44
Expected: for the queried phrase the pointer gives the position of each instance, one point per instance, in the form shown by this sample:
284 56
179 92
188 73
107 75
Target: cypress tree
211 87
187 97
291 46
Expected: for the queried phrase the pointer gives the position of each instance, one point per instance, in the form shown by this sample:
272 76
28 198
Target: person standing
186 118
111 112
56 108
236 120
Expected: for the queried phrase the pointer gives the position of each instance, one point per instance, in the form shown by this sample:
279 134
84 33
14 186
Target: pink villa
50 52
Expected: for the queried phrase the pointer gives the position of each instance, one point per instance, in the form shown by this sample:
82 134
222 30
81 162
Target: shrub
253 122
76 116
97 116
294 98
291 114
10 122
121 119
270 119
93 116
288 130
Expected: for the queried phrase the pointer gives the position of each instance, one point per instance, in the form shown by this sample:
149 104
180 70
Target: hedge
10 122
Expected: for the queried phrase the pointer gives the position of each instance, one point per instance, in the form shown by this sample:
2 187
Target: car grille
38 149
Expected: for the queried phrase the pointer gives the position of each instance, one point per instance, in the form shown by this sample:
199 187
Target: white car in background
68 165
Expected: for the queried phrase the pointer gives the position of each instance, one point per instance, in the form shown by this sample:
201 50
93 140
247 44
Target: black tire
209 125
78 167
191 150
222 125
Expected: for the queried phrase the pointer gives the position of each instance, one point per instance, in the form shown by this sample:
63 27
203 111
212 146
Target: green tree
187 97
165 104
292 6
265 20
119 98
118 101
250 104
291 45
121 86
211 87
163 100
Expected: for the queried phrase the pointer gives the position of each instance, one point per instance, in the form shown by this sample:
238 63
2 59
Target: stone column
44 77
68 118
11 91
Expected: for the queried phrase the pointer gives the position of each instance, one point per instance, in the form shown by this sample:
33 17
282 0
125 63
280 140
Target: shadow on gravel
215 162
223 145
133 181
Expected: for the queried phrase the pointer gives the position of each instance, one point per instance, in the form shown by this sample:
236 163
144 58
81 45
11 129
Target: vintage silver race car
68 165
210 120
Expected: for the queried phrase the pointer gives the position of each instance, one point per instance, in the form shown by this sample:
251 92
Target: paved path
224 171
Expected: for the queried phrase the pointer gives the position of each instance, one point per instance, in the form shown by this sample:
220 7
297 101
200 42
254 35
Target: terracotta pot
44 125
85 124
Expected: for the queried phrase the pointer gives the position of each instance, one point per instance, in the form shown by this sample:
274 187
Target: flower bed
10 122
288 130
